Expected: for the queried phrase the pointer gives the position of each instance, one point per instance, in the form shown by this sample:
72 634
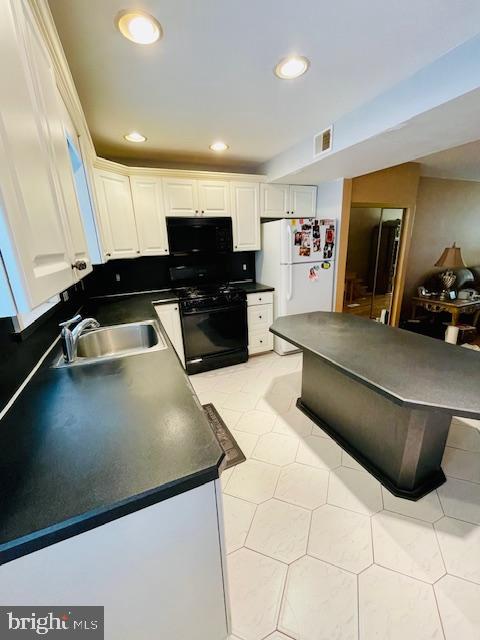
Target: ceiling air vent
322 142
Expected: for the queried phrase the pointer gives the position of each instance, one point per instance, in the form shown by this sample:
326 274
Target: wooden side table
454 307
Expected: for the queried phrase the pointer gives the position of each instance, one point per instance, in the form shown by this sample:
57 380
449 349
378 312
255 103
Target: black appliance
214 326
199 235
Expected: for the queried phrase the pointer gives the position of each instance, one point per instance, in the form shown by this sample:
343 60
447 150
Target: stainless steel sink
116 341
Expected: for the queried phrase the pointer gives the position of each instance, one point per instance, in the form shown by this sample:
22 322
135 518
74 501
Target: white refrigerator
298 259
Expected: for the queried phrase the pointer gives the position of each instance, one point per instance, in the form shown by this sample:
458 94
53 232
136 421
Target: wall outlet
244 266
117 277
64 295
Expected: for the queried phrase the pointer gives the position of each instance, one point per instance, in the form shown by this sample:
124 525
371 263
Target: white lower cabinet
169 315
245 216
259 317
158 572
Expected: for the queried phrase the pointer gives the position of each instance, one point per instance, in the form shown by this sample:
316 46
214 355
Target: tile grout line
438 610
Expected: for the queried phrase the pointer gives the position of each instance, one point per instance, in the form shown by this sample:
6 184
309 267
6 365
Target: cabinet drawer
258 342
260 317
260 298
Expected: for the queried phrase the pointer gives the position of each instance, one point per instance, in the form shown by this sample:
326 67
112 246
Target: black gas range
214 326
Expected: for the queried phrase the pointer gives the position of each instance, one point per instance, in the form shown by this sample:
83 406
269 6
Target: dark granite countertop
167 296
254 287
85 445
411 369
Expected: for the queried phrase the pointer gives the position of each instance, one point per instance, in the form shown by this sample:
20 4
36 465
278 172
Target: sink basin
116 341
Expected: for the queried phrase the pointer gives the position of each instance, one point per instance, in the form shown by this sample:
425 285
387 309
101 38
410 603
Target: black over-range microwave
196 235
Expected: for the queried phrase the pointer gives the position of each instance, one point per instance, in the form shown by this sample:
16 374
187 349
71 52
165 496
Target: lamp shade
451 258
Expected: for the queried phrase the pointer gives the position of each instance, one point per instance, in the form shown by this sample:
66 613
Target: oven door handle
214 310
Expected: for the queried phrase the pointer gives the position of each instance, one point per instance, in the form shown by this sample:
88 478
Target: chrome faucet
70 336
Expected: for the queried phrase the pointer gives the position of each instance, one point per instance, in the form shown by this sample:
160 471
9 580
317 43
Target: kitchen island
386 395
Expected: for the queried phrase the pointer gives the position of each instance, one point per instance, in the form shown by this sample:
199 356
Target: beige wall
447 211
392 187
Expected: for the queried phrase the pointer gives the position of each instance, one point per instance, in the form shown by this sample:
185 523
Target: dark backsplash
150 273
20 353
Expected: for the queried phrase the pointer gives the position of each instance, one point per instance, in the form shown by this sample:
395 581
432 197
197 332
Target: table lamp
451 258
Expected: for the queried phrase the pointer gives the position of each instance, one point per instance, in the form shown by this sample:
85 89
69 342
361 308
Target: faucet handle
73 320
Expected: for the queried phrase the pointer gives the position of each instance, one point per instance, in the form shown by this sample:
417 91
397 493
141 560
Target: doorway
374 238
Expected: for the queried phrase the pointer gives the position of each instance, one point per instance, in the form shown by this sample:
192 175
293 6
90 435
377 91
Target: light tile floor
317 549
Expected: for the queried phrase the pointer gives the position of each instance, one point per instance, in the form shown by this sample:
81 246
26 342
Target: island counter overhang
386 395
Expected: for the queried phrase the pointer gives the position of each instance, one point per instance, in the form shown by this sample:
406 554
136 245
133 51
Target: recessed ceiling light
139 27
134 136
218 146
291 67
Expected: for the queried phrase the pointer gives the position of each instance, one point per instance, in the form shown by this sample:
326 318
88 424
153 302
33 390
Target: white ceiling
459 163
211 76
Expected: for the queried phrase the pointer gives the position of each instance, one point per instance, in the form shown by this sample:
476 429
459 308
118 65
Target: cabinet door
246 216
181 197
274 200
147 196
169 316
214 198
303 201
116 215
53 113
33 238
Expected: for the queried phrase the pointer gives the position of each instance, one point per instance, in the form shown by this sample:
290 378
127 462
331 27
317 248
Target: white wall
433 109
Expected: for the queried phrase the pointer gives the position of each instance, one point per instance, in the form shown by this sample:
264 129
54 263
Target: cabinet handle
166 250
108 254
138 251
79 264
259 299
288 213
196 210
203 211
259 317
292 212
261 341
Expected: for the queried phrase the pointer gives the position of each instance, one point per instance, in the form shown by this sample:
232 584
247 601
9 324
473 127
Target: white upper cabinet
184 197
117 218
213 198
283 200
274 200
34 241
303 201
147 196
54 115
245 216
181 197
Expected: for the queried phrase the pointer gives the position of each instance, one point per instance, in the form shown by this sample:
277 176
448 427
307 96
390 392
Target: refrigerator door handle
290 283
290 243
